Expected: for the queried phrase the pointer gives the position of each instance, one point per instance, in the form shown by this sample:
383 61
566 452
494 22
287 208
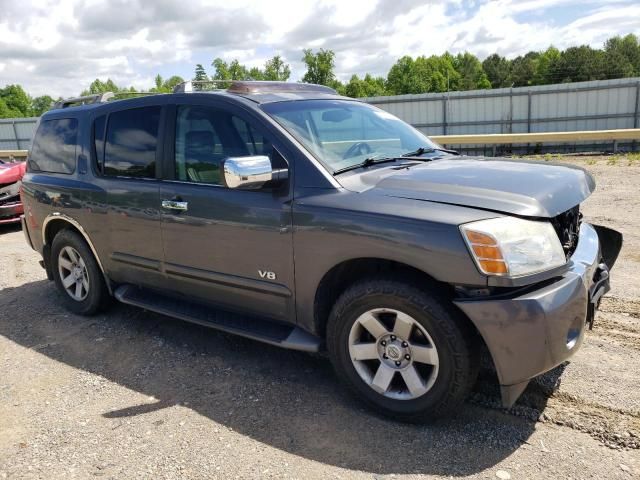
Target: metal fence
596 105
17 133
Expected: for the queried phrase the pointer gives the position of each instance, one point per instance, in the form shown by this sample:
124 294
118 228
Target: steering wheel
358 148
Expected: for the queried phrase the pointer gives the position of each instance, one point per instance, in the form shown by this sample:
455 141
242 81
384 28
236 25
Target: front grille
567 226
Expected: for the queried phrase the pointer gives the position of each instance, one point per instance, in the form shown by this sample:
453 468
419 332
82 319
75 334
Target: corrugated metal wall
597 105
16 133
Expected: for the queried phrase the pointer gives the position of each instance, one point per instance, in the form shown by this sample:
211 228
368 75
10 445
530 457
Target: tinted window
206 136
131 141
54 147
98 136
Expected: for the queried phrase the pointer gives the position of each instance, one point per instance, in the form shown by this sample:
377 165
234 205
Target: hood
11 172
526 188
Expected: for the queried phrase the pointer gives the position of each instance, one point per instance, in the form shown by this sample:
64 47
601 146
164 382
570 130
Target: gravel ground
132 394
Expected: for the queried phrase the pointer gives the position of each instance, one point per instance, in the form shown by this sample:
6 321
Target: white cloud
60 46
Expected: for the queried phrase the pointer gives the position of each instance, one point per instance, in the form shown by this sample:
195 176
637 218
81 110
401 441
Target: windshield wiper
367 162
423 150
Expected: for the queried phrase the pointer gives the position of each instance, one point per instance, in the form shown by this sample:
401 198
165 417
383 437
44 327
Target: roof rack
84 100
255 86
97 98
188 86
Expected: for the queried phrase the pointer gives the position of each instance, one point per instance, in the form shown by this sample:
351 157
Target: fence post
635 114
529 112
444 115
15 134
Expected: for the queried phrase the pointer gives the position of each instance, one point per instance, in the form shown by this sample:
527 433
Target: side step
266 331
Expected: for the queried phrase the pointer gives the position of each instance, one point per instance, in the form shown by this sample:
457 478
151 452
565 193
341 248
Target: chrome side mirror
250 173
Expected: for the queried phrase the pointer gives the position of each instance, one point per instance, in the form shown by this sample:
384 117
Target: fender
71 221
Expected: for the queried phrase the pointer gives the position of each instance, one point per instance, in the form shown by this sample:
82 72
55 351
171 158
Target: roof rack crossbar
84 100
187 86
254 86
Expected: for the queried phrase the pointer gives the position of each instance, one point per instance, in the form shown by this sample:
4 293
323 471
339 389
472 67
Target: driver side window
205 136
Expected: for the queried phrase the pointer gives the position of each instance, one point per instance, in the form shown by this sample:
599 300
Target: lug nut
398 364
383 343
405 344
384 355
407 357
393 338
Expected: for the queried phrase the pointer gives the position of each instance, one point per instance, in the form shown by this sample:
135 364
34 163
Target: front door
228 247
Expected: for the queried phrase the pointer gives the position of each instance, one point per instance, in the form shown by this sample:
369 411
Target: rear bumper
533 333
10 212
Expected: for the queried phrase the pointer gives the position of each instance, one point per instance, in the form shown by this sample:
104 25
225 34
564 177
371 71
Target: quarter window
206 136
54 147
131 142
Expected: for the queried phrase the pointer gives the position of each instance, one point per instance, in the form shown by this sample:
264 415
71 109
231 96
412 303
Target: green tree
255 73
41 104
98 86
368 86
498 70
580 64
18 103
276 69
402 77
523 68
472 75
622 56
200 74
320 67
545 66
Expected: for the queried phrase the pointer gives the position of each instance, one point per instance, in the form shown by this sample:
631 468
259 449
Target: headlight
511 246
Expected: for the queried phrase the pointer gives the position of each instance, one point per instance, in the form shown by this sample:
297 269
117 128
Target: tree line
619 58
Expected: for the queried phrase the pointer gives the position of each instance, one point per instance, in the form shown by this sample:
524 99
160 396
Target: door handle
175 205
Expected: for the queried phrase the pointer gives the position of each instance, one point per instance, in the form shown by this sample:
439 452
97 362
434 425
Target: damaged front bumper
10 204
530 334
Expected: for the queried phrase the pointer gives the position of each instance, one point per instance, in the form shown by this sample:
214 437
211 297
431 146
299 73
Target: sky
58 47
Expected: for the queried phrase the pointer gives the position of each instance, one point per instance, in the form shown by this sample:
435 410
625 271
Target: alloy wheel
73 273
393 354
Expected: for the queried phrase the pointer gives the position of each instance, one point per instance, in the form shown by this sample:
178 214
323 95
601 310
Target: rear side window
131 142
54 146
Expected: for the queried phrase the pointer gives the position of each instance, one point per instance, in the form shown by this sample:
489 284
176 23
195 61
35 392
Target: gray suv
291 215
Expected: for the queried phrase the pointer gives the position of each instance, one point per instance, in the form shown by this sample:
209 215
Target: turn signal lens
492 253
480 238
487 253
495 267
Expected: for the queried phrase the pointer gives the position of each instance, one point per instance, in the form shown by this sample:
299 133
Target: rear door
228 247
127 151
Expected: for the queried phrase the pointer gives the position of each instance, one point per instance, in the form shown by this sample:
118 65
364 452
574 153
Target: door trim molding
243 283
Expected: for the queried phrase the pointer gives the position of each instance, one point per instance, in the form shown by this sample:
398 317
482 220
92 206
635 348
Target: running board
244 325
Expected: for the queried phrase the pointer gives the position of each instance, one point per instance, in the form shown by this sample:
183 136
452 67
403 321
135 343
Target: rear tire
77 275
407 354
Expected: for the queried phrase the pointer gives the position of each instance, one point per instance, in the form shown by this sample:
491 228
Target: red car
10 180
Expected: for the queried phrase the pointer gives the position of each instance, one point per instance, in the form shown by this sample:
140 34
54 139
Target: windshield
342 133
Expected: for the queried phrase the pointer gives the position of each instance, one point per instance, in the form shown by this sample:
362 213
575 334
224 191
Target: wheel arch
348 272
55 223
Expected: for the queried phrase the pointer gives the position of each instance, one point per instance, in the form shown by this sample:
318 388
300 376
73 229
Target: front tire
77 275
404 352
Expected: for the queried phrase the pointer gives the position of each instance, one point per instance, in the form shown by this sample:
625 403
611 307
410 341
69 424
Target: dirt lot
132 394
